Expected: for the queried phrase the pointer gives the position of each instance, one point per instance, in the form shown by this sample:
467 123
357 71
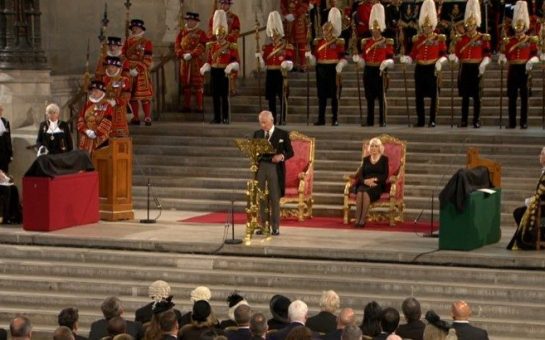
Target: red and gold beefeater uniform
471 50
139 53
96 117
233 25
374 52
518 50
192 41
296 30
118 89
426 50
274 56
100 70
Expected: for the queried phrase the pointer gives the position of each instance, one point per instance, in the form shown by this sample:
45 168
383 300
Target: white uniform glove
356 58
287 65
387 63
112 102
311 58
90 133
528 201
340 65
406 60
439 64
542 56
205 68
133 72
530 63
453 58
231 67
187 56
310 6
289 17
502 59
483 65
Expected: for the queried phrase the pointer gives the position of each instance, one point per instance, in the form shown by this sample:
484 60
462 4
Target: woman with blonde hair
370 180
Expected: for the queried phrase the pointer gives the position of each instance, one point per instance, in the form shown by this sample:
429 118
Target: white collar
2 127
110 54
96 100
461 321
115 74
271 131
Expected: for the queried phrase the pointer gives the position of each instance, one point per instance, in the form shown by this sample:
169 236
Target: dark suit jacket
76 336
413 330
169 337
144 314
465 331
280 140
323 322
99 329
6 149
239 334
381 336
335 335
281 334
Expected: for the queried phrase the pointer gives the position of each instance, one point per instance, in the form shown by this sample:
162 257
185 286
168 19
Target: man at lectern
272 167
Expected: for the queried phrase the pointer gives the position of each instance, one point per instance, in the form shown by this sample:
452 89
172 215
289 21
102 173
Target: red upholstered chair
390 205
299 178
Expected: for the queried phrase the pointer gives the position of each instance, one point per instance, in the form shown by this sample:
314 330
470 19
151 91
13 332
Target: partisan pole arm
128 5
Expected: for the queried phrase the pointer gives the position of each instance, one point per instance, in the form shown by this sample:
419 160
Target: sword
404 69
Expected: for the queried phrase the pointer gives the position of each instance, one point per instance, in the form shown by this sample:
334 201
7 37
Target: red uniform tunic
275 55
233 24
361 16
296 30
519 51
191 41
118 89
220 55
376 51
139 53
426 50
472 49
96 117
328 52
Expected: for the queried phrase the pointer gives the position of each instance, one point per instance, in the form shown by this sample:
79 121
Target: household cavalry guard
118 94
190 49
94 122
223 63
472 50
520 52
328 56
429 53
139 52
296 26
277 57
377 56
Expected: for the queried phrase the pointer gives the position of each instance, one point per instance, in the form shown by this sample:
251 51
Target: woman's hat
279 308
201 311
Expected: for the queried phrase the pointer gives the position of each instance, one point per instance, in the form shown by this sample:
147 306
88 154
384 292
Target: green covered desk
476 226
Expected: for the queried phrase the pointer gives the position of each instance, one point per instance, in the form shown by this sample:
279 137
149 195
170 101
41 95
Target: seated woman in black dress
53 134
370 180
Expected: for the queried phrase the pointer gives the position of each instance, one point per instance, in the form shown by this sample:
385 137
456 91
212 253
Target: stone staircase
39 281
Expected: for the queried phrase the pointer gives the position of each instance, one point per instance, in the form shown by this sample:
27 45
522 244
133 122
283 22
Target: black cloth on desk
60 164
9 203
463 183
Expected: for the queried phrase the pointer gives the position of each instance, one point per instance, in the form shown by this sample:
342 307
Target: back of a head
116 325
389 320
460 310
111 307
300 333
351 332
258 324
411 309
210 334
372 314
168 321
243 313
20 327
123 336
297 311
68 317
63 333
330 301
346 317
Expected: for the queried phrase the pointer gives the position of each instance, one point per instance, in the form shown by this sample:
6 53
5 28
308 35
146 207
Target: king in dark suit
272 167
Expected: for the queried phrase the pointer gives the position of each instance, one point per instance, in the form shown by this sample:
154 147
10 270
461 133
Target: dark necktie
267 135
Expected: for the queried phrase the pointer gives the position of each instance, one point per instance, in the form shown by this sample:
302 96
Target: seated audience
63 333
116 325
124 336
414 328
300 333
234 300
112 307
157 291
20 328
436 329
69 317
153 329
461 313
297 315
346 318
352 332
370 325
243 313
197 294
202 321
325 321
168 323
258 326
388 322
278 306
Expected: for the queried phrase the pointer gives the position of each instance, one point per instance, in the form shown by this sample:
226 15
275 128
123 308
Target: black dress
6 150
370 170
57 141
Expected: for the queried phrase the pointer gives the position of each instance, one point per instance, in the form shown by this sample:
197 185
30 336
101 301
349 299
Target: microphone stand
431 234
148 220
233 240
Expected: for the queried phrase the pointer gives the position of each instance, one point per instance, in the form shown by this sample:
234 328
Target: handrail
158 75
243 57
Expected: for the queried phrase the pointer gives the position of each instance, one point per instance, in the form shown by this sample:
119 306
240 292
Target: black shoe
135 122
360 225
147 122
225 121
477 125
319 123
524 126
419 125
463 124
510 126
275 232
214 121
335 123
431 124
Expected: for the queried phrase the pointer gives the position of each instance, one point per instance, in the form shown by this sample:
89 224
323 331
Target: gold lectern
114 166
253 149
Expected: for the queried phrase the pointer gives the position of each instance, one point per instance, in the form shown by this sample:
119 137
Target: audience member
300 333
234 300
370 325
325 321
112 307
352 332
116 325
388 322
258 326
168 322
212 334
69 317
154 330
346 318
297 315
157 291
460 314
63 333
124 336
278 306
243 313
436 329
202 320
414 328
20 328
197 294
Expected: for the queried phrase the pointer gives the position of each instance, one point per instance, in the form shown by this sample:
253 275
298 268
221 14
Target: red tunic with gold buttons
96 117
375 52
191 41
427 49
519 51
139 52
296 31
222 54
275 55
328 52
472 49
118 89
233 24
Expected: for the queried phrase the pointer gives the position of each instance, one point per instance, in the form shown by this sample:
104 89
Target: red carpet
316 222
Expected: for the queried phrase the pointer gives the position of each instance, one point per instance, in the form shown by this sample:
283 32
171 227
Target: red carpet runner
316 222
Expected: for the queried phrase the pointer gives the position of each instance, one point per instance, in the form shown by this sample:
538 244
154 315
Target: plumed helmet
219 23
274 24
521 16
377 18
335 18
428 15
473 13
